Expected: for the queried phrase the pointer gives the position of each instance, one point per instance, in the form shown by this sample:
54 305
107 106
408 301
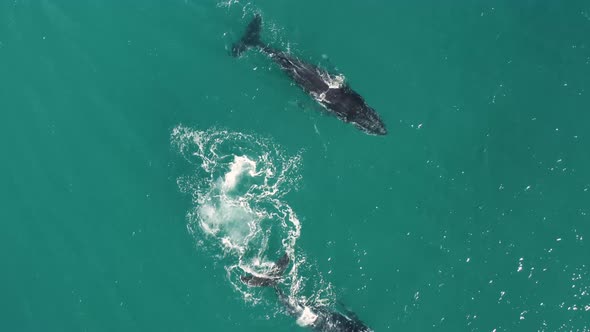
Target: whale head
369 121
352 108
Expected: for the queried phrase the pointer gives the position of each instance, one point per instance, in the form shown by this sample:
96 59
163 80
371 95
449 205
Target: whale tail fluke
251 37
272 278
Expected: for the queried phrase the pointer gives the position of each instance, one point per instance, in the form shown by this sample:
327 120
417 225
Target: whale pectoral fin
271 279
254 281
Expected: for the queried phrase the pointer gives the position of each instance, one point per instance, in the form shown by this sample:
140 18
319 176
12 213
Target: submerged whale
327 89
321 319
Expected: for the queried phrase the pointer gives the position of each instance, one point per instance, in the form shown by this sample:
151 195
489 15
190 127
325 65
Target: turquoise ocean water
143 168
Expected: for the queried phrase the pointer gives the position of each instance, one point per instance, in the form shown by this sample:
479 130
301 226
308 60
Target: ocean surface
145 170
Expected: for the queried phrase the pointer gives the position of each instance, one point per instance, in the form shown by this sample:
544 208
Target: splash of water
238 189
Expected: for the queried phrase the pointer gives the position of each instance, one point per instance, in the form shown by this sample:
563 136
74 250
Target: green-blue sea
145 170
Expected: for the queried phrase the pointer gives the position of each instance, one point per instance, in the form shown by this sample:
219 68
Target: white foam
333 81
238 188
307 317
240 165
240 215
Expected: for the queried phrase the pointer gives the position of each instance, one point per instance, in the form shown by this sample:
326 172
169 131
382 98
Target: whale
328 89
316 318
